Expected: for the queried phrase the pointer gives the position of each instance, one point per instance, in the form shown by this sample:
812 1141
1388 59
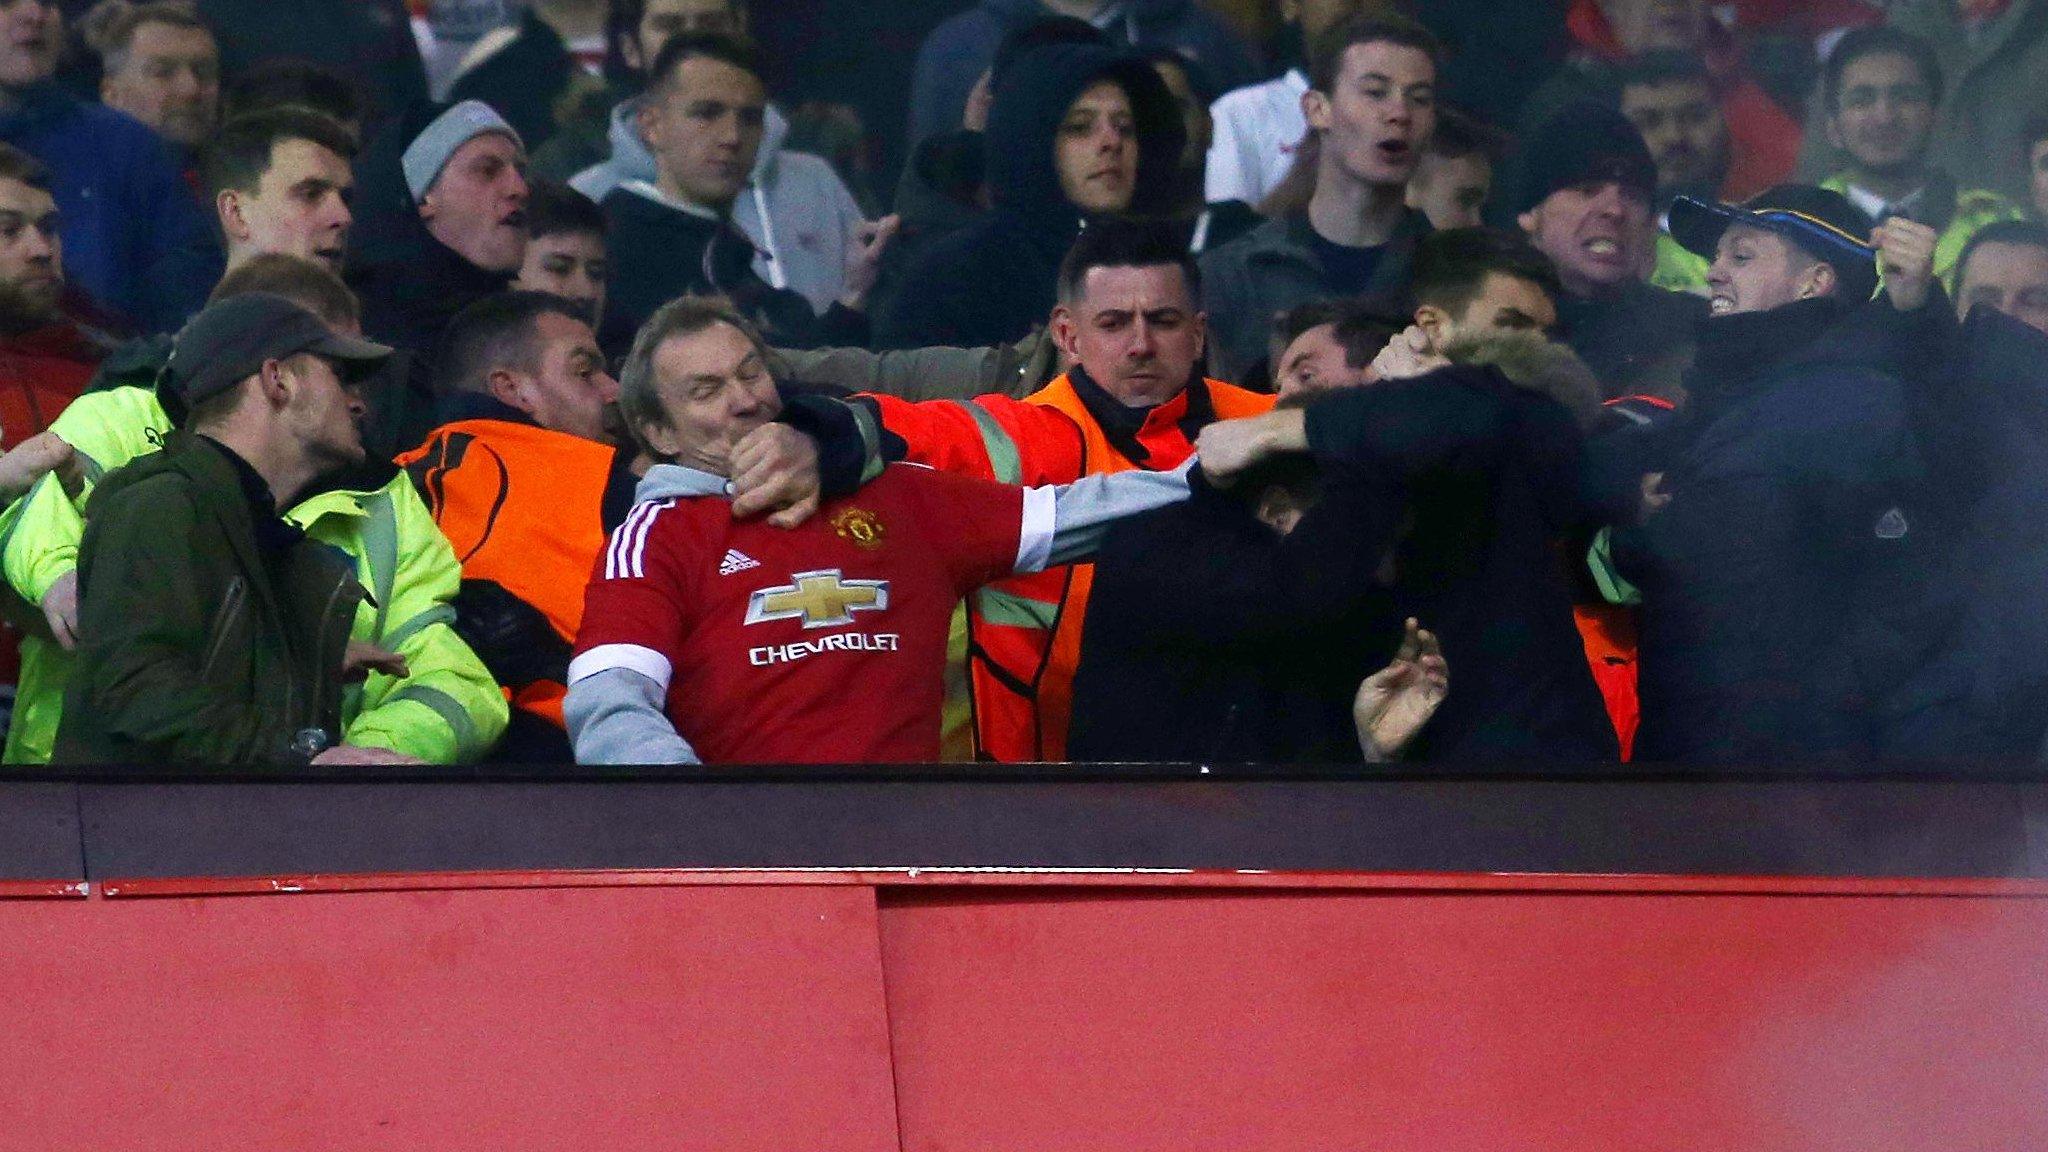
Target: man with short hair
441 707
523 435
1329 348
125 210
797 211
2004 267
1584 202
1764 137
1453 477
1455 176
1669 97
1469 282
1372 104
1130 323
706 638
566 252
1781 520
459 236
703 119
1881 88
210 630
282 184
160 64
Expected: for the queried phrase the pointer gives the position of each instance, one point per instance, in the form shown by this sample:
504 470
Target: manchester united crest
861 526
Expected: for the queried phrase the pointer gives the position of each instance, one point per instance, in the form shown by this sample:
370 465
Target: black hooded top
993 282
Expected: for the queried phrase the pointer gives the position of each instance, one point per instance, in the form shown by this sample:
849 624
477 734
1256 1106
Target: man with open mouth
1587 186
1372 104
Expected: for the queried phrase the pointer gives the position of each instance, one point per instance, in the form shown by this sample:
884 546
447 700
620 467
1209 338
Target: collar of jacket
343 493
679 481
1736 354
478 406
273 532
1138 432
647 189
1933 203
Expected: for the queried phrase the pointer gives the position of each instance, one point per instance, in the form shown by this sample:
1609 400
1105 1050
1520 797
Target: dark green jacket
197 645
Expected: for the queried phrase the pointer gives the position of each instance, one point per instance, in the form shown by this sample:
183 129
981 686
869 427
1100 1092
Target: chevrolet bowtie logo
822 599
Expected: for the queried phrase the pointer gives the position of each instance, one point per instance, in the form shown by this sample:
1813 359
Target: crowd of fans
1563 382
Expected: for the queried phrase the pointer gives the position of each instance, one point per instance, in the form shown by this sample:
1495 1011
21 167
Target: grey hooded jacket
796 209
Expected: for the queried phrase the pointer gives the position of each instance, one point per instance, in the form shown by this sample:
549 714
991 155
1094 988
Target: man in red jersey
721 641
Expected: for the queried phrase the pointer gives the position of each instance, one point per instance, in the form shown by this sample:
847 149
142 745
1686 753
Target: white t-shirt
1258 131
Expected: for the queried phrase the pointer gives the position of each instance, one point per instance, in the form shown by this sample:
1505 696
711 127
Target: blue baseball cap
1824 225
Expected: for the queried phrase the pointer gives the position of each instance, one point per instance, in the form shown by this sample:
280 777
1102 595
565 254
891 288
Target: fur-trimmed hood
1533 361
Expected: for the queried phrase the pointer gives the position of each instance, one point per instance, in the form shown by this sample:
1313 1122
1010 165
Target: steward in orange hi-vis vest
525 509
1025 631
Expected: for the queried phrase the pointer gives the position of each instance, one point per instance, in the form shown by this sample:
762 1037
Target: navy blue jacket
1785 585
130 220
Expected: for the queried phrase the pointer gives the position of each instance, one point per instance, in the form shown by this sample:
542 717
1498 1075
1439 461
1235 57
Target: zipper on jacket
223 622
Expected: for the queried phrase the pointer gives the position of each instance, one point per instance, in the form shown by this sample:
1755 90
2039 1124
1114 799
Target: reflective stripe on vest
1027 629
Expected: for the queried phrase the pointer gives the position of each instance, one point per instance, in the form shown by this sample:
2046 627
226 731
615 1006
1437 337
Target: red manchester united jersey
822 644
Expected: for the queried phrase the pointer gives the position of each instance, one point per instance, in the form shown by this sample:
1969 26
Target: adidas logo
736 561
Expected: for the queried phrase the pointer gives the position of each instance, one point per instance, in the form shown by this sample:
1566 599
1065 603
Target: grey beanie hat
428 153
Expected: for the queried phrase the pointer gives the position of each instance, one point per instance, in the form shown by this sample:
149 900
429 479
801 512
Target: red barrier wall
542 1019
945 1011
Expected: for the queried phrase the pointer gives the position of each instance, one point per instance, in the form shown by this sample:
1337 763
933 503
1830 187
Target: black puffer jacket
1785 586
993 281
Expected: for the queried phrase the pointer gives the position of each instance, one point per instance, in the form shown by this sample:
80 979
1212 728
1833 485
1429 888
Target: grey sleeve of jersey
1081 513
615 717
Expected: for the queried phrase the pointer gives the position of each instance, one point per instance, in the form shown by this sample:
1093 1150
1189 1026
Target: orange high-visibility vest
523 507
1025 632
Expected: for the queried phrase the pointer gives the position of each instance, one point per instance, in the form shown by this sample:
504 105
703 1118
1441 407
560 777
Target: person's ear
660 438
1066 332
1435 321
509 388
1820 281
648 121
429 207
1833 132
228 206
1530 221
1316 108
275 381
